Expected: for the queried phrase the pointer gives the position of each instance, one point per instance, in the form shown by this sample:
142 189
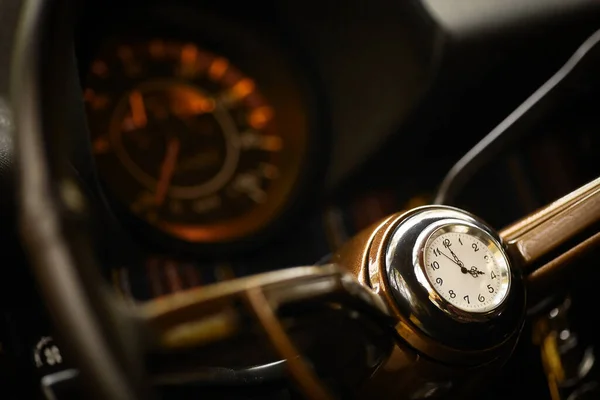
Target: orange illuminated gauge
188 142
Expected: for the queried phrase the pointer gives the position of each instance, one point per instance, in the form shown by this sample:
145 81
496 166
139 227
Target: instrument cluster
209 145
188 143
204 133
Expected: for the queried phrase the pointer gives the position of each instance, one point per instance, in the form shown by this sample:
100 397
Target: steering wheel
121 349
106 338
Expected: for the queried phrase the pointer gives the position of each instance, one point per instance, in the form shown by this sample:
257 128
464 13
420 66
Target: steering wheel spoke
264 327
544 243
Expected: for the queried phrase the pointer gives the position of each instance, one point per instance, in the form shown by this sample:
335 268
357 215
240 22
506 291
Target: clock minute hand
474 272
462 267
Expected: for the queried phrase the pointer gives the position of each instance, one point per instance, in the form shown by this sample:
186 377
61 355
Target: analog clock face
467 268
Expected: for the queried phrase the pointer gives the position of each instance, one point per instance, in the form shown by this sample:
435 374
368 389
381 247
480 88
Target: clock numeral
493 275
475 247
447 243
481 298
467 299
435 265
490 288
460 241
437 252
439 281
452 294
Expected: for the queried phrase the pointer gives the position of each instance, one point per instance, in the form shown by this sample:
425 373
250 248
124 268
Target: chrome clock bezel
418 304
441 227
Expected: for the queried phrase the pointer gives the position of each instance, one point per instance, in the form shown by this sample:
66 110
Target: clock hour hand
475 272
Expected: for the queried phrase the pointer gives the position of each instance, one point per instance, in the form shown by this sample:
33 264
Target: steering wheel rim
107 338
103 340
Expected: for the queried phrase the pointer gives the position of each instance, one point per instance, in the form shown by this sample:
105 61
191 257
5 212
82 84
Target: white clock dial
466 268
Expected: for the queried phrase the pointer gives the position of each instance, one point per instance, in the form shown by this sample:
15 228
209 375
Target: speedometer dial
188 142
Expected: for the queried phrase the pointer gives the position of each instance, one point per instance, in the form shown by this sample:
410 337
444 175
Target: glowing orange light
242 89
260 117
189 54
218 68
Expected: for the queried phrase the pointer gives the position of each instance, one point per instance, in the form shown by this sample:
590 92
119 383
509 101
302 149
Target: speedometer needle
138 110
166 171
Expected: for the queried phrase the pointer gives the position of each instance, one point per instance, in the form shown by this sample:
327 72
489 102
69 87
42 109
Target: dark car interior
208 142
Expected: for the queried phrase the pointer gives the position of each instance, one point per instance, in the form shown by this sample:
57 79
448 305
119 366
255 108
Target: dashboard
212 142
207 137
231 139
214 136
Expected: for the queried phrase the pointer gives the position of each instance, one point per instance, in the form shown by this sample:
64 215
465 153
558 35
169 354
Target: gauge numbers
187 141
466 268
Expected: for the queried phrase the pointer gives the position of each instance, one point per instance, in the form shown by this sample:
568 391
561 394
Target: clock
466 268
449 277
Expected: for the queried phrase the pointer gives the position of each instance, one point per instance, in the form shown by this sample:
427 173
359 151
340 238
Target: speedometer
188 142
